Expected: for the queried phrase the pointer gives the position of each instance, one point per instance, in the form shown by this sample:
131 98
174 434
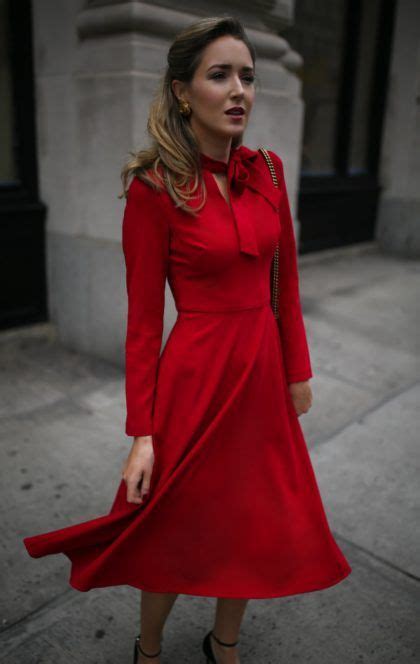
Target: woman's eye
248 79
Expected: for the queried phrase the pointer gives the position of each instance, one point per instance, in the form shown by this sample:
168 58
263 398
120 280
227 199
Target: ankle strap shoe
208 650
138 648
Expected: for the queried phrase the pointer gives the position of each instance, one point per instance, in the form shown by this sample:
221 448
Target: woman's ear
177 89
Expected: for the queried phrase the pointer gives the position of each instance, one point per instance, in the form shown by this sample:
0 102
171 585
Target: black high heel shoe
139 649
208 650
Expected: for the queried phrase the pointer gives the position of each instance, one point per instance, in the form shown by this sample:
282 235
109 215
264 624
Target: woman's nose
238 87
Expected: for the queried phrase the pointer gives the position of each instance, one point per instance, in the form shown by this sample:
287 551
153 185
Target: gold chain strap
275 262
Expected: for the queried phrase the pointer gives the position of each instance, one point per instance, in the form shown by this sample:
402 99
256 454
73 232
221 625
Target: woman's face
224 79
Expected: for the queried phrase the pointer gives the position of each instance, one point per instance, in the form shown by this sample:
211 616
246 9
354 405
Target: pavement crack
316 443
383 561
53 602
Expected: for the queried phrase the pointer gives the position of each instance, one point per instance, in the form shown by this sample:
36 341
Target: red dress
234 507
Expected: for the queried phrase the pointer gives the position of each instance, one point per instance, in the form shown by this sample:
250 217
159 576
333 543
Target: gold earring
184 108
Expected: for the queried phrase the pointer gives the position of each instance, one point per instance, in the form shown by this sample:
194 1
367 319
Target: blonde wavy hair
173 159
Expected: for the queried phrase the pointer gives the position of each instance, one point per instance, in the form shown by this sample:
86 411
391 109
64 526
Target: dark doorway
22 215
346 46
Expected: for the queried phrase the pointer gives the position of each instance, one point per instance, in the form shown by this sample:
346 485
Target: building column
398 224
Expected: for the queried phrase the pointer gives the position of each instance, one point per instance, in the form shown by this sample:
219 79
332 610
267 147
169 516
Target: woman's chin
231 132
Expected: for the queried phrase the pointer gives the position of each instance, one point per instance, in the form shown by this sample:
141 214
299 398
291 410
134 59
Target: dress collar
237 155
245 168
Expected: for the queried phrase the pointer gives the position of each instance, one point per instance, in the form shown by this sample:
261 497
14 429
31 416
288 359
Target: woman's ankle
224 640
225 654
151 645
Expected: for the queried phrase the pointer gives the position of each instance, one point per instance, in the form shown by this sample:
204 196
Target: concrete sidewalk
62 447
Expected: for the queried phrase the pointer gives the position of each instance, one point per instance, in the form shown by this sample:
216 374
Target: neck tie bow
238 176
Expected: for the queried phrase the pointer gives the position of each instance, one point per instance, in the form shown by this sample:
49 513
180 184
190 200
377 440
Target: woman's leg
155 608
227 624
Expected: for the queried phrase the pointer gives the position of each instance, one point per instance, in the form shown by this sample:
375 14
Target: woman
218 496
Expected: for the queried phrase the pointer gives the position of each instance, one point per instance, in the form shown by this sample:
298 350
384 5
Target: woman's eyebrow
228 66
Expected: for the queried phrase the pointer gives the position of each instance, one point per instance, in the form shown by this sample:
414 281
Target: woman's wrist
142 439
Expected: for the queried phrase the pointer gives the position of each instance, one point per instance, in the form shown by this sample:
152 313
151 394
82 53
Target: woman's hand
137 469
301 394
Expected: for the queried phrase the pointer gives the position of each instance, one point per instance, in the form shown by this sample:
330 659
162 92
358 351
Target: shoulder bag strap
275 261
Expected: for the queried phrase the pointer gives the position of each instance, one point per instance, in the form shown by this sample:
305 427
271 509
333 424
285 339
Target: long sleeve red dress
234 507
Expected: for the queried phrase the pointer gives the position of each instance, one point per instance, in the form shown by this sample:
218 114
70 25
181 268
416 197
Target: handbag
274 273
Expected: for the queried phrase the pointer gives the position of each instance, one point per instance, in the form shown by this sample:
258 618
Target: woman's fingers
134 484
138 468
145 486
301 394
138 487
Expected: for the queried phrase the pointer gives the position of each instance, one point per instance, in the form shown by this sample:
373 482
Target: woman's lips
235 116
